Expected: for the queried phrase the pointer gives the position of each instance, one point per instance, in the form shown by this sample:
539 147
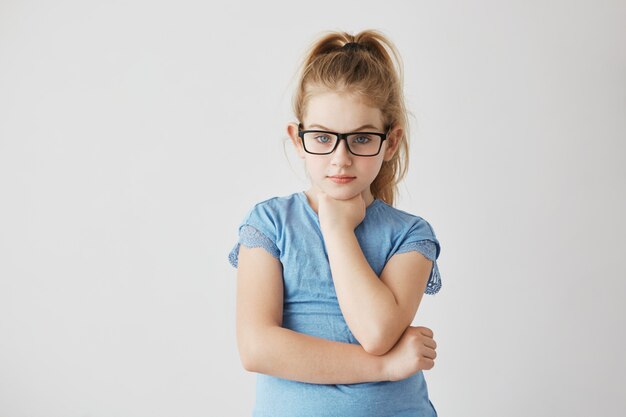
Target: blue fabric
289 229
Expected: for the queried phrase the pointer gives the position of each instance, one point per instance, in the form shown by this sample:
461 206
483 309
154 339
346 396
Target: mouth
341 179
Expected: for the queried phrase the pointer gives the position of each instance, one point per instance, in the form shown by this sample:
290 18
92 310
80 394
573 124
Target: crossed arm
368 304
377 310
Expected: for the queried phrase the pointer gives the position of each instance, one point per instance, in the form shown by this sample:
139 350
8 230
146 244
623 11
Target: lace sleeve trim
250 237
429 250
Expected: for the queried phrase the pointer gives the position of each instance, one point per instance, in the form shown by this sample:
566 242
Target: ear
292 131
393 142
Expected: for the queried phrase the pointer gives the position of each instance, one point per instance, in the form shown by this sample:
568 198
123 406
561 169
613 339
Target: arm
266 347
378 311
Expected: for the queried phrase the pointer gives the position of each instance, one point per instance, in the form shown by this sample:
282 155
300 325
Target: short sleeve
421 238
256 231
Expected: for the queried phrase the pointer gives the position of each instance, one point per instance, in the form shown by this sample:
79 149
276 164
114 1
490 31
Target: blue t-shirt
289 229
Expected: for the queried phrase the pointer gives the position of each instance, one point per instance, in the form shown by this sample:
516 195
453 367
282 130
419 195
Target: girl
329 279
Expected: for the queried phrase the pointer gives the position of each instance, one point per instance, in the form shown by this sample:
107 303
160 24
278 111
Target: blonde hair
371 70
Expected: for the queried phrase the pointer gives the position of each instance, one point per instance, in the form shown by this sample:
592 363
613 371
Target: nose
342 156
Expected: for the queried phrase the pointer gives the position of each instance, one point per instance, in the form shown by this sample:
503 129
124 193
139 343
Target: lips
341 179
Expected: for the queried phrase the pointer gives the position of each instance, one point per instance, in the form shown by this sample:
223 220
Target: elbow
377 349
247 360
249 352
255 347
378 346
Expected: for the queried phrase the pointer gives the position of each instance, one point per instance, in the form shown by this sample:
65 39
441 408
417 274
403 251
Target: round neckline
305 200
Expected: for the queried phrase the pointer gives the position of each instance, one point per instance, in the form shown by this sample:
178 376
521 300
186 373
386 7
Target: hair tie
352 46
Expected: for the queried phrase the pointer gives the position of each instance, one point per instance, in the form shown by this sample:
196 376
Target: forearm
300 357
367 304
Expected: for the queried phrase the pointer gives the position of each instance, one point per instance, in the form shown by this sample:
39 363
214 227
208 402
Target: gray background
135 136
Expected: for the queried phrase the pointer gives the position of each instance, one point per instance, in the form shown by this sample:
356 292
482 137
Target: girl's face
342 113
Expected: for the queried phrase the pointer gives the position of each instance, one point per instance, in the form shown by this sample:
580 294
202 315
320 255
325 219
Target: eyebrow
355 130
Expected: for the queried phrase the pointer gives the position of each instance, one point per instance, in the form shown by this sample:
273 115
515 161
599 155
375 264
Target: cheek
313 165
373 166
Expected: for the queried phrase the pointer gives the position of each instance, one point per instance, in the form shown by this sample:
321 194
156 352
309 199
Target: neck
311 196
368 197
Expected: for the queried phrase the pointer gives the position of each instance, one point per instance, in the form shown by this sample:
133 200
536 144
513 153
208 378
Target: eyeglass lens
359 144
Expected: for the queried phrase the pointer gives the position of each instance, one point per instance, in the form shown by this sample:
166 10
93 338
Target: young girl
329 279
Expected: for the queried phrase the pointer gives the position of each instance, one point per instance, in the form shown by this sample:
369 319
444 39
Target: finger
429 353
427 363
426 331
428 342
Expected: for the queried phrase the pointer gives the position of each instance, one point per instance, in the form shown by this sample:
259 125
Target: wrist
384 368
336 228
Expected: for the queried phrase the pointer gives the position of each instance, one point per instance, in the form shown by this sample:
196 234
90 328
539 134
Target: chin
343 192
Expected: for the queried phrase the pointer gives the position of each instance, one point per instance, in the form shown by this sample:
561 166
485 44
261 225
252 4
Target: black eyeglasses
323 142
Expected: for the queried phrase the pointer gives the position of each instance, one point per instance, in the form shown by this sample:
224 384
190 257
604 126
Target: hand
415 351
337 214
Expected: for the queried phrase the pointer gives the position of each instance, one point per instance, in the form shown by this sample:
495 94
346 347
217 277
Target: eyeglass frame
340 136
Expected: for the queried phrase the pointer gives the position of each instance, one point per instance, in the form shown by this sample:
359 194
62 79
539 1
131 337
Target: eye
362 140
323 138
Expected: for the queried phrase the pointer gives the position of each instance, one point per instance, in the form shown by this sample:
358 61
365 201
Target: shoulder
403 221
411 232
271 212
274 206
278 202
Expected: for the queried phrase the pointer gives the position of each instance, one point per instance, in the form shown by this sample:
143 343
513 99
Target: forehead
341 112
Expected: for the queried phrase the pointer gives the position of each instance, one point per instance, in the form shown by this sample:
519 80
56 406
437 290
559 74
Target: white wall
134 137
